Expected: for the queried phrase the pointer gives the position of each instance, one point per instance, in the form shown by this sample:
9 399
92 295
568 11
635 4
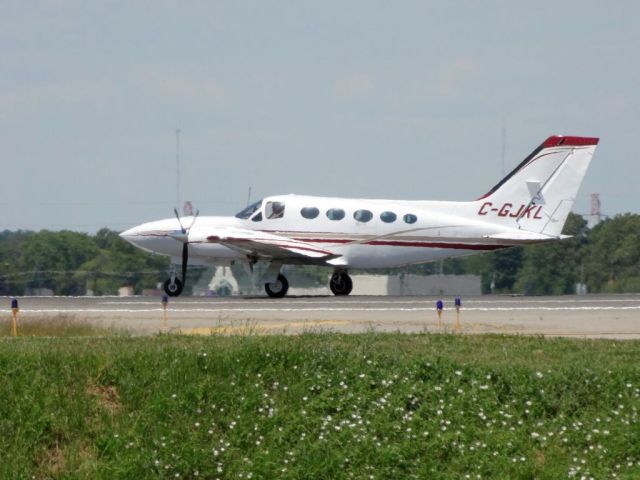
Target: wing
269 246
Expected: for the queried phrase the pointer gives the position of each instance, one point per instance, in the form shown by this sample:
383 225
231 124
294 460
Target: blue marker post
165 304
439 308
14 314
458 303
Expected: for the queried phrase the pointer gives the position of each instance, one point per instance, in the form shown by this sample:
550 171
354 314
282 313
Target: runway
604 316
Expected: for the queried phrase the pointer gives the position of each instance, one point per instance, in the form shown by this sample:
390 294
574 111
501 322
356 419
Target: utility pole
178 168
596 214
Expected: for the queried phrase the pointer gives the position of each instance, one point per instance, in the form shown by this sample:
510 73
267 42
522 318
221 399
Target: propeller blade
194 219
185 259
175 210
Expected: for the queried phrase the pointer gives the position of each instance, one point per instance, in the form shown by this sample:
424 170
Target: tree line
72 263
605 258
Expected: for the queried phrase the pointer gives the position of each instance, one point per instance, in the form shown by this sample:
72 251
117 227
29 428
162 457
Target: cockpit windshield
250 210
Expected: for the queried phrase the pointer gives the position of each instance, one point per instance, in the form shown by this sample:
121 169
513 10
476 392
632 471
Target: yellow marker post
458 303
14 314
165 304
439 308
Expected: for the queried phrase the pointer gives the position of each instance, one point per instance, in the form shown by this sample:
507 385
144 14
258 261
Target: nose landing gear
173 286
173 289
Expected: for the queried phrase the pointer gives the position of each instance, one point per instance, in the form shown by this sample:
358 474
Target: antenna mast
504 147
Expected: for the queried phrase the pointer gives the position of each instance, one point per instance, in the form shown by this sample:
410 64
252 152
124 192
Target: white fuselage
370 234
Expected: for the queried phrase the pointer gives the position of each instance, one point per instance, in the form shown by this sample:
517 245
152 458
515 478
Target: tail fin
538 194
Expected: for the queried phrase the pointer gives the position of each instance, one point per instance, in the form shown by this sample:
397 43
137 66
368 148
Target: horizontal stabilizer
523 236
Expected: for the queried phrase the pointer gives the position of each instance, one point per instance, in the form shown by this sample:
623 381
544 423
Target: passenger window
335 214
388 217
362 215
309 212
274 210
257 218
410 218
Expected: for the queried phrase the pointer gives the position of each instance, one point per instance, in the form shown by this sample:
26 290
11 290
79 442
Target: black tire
279 288
173 290
341 284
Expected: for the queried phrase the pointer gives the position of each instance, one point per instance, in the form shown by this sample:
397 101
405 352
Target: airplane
530 205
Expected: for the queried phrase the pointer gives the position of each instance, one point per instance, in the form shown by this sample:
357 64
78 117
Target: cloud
451 77
355 85
25 99
181 88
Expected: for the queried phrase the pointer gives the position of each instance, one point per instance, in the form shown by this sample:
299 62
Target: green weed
319 405
61 325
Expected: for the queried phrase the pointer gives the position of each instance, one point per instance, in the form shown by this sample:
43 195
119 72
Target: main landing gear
341 283
278 288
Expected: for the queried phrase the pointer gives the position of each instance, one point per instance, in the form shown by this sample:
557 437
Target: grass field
61 325
319 405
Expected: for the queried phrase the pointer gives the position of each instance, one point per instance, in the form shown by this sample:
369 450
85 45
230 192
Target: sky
366 99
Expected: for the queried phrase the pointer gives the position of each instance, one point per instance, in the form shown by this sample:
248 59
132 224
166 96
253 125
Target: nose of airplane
131 234
154 237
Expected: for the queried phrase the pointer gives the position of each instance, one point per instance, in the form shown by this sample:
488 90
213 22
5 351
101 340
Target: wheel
173 289
277 289
341 284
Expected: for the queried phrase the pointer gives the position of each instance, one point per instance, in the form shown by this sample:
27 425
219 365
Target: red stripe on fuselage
397 243
455 246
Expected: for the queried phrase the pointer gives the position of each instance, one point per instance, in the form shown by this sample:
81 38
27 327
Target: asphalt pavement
606 316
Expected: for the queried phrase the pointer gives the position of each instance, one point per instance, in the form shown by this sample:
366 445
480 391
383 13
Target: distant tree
554 268
12 280
118 263
506 265
52 257
69 263
612 263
